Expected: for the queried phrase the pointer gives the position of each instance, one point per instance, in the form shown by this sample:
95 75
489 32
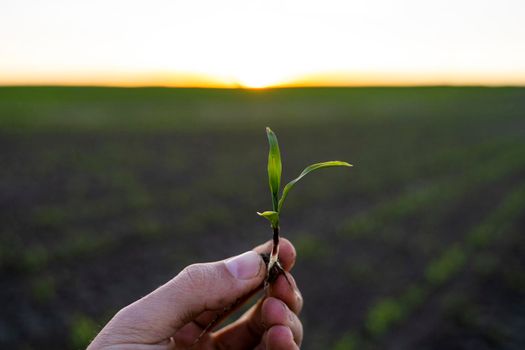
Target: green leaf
274 167
272 216
306 171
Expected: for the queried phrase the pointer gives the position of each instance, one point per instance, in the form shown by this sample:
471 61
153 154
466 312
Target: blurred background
132 144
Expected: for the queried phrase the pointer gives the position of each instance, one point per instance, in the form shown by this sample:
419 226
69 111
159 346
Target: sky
262 43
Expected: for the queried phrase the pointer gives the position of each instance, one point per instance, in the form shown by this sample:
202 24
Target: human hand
175 314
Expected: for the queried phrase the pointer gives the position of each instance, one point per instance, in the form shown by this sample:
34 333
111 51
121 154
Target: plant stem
275 247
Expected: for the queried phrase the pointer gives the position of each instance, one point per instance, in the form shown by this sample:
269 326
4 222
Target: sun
258 74
257 80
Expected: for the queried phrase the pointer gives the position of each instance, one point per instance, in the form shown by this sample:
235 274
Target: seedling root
274 270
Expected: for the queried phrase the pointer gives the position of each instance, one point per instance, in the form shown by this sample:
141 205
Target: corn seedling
274 268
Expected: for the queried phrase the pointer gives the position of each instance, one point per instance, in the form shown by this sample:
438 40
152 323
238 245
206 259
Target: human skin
175 314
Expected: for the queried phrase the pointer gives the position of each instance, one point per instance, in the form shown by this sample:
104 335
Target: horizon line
271 87
179 79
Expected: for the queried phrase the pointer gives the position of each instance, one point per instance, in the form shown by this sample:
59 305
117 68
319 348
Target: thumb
198 288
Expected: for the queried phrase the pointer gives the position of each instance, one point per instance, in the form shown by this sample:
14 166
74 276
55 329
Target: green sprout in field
274 268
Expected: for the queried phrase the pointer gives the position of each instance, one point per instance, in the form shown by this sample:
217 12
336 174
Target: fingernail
244 266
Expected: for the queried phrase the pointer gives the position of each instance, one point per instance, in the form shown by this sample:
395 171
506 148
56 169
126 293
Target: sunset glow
256 80
258 44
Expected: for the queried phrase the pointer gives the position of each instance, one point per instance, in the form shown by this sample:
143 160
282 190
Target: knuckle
195 276
298 301
298 331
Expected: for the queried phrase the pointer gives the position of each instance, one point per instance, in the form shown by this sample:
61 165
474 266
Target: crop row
439 193
388 312
474 174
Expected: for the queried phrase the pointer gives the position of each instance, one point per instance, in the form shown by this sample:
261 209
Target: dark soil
96 215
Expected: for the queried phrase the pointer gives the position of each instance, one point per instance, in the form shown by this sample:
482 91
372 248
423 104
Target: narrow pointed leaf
274 167
271 216
306 171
